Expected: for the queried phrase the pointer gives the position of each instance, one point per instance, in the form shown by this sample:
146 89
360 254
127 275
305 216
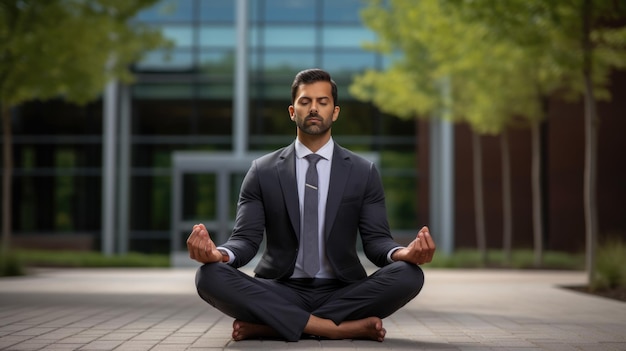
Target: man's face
314 110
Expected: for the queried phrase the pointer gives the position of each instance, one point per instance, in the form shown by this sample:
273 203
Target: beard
321 127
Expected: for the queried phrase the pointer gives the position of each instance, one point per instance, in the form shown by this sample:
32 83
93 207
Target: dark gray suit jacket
268 203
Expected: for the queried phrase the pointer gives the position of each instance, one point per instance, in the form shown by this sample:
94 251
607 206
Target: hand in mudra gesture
421 250
201 248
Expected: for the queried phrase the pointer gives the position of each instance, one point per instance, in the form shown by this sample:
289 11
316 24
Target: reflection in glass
342 11
180 35
348 62
253 11
162 91
287 36
236 179
153 191
269 118
178 60
200 196
346 37
217 36
288 62
216 91
218 63
217 11
288 10
354 119
254 34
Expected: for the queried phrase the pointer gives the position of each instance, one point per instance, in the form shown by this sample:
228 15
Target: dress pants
286 305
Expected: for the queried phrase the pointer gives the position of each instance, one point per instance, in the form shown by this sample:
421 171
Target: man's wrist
225 257
392 255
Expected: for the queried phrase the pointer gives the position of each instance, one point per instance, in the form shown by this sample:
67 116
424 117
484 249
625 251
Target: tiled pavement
158 309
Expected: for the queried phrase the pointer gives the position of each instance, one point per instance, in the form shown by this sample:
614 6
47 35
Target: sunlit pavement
158 309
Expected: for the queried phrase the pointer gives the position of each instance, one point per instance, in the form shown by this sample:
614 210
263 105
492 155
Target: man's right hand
200 246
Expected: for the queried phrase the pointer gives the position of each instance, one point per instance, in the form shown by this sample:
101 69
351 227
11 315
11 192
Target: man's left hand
420 251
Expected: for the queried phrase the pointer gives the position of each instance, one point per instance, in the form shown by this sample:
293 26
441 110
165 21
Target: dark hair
313 75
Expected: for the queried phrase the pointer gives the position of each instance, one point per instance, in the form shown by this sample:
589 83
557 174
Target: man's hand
200 246
419 251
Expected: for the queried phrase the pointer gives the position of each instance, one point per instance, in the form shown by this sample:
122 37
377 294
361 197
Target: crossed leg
353 312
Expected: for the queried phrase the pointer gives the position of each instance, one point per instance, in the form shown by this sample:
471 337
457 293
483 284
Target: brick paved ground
158 309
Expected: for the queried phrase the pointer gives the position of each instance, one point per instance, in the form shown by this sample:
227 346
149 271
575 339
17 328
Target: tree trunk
591 141
507 202
7 177
479 208
417 165
536 193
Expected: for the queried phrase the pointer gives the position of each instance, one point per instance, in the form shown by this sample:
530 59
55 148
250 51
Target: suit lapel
339 175
286 168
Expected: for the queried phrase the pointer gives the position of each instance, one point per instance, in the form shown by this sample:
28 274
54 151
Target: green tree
63 48
588 40
522 78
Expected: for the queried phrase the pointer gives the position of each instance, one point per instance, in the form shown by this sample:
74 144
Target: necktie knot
313 159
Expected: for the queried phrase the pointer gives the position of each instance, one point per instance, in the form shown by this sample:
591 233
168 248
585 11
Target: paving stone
457 310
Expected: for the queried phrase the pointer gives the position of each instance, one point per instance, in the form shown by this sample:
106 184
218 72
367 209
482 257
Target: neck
313 142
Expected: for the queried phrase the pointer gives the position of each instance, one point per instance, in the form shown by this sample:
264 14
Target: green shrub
520 259
610 268
10 265
91 259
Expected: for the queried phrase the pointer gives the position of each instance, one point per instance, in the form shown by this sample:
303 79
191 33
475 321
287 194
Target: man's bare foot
367 328
244 330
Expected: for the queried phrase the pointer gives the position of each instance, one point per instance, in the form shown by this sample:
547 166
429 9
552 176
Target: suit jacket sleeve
373 224
249 227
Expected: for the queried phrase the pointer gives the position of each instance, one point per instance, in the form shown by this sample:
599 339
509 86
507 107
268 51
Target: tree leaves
501 57
68 48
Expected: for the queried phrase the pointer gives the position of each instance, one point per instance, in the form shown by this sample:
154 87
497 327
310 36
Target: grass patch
520 259
610 268
89 259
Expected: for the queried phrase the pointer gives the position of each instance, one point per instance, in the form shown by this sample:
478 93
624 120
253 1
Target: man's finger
202 255
201 228
194 241
190 241
429 240
202 244
423 242
423 246
430 244
191 236
195 233
194 247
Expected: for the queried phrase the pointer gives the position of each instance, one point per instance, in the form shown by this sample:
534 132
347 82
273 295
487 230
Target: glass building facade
184 99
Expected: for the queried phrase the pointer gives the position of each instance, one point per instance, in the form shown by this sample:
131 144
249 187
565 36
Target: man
310 288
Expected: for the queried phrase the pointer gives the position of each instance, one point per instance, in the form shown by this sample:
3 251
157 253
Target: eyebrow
311 98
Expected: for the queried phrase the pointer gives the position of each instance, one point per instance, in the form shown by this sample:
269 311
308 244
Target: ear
292 112
336 113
